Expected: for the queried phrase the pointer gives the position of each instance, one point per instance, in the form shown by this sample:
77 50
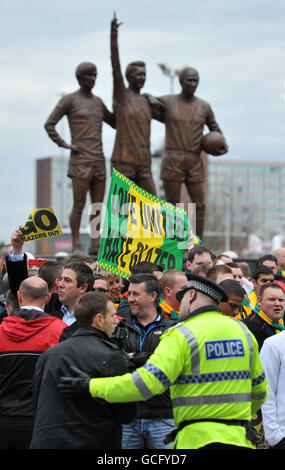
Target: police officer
212 366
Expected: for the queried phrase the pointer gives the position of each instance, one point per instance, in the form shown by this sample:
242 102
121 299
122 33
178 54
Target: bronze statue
185 116
85 113
131 154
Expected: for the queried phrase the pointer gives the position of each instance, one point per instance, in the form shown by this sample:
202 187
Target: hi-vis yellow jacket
212 366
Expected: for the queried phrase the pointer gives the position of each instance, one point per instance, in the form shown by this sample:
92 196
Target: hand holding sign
42 223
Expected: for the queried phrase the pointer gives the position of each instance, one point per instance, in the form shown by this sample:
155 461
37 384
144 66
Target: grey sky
236 45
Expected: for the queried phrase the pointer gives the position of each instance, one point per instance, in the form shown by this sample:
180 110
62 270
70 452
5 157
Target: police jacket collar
206 309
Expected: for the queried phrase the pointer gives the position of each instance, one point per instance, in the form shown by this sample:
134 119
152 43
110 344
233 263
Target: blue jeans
144 433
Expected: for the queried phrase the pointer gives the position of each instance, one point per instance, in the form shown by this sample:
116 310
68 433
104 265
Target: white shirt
247 285
272 356
32 307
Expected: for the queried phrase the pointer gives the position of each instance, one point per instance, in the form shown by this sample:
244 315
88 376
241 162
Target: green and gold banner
141 227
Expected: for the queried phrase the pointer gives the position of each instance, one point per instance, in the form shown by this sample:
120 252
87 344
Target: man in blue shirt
76 279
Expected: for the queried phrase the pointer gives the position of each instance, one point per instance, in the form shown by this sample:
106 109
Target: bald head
280 255
33 291
172 282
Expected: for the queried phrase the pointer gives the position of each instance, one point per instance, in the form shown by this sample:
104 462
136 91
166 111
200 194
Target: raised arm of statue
56 115
118 79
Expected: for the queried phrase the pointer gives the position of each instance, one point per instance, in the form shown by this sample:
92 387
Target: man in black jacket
144 326
80 423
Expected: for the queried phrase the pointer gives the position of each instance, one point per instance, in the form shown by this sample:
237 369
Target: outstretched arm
157 107
153 378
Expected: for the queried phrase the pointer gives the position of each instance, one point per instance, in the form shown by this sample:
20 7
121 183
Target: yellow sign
42 223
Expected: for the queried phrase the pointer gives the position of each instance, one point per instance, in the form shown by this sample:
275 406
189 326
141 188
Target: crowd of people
64 323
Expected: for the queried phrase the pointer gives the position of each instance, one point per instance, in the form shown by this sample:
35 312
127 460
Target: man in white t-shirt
273 410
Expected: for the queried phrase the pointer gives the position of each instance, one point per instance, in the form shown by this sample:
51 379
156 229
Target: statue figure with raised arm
131 154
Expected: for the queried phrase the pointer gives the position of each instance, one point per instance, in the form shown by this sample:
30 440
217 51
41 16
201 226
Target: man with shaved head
172 282
24 335
280 255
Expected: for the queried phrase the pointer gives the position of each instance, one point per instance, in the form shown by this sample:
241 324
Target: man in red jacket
24 335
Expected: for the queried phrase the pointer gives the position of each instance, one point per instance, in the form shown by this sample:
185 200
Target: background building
246 203
54 189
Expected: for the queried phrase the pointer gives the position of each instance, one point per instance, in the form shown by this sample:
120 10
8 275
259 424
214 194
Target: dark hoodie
24 335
